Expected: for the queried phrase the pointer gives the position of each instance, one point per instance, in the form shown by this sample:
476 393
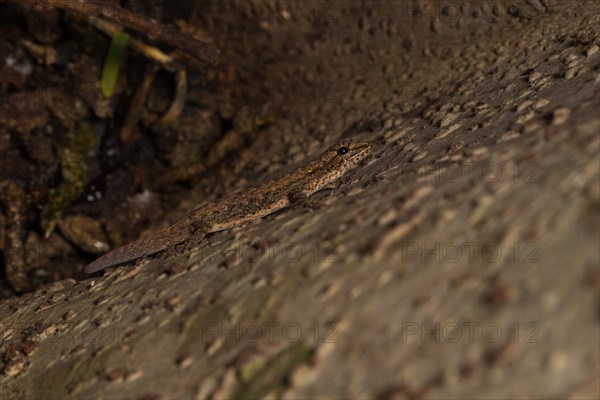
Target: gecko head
347 153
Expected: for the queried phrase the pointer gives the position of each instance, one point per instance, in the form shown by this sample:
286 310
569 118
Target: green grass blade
112 63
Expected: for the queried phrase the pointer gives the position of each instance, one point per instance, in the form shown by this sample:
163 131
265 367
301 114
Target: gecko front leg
299 197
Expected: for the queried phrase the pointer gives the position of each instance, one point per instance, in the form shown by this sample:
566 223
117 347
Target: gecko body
240 208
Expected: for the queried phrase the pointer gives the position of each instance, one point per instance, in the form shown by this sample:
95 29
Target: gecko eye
342 150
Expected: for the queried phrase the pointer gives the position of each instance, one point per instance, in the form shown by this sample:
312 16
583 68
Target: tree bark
461 262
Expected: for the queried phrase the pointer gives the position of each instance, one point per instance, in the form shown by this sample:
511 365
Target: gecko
243 207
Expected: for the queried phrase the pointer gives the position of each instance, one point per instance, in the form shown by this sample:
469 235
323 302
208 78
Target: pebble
387 217
524 105
445 132
448 118
134 376
557 360
421 155
560 116
85 232
510 135
525 117
541 103
185 361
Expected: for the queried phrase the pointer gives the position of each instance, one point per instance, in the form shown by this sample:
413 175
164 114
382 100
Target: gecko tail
129 252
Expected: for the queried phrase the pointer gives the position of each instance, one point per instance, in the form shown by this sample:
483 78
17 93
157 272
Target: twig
178 102
151 52
147 26
137 105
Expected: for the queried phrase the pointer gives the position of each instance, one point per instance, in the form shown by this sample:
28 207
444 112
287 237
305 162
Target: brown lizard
249 205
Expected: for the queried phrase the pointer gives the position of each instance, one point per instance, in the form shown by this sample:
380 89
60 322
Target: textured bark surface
461 262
